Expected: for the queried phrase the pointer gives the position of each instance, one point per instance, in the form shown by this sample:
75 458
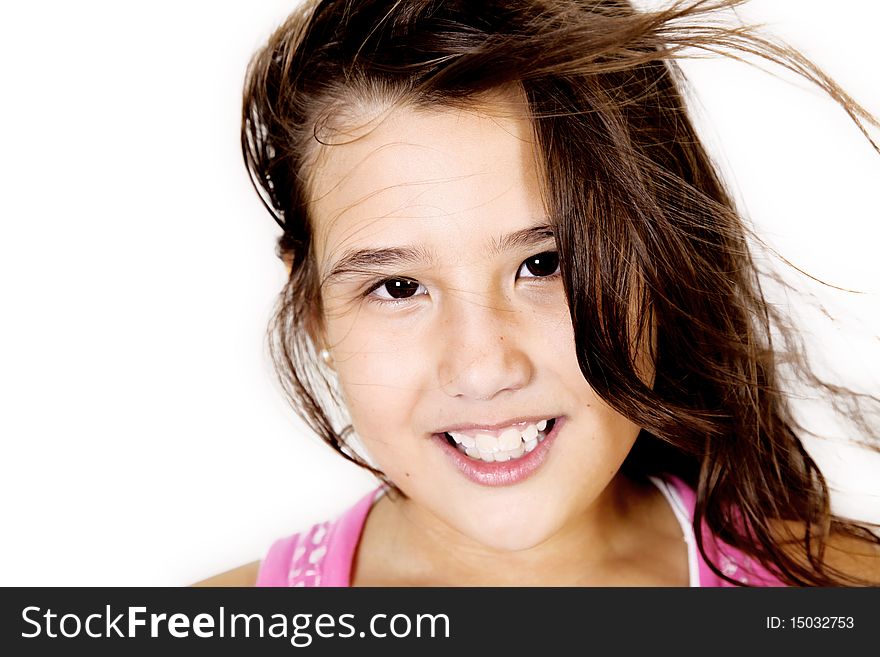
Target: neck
423 550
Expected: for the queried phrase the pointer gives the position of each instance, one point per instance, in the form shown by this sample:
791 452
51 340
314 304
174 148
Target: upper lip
472 426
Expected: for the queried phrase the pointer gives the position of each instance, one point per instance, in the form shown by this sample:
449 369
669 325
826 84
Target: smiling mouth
510 445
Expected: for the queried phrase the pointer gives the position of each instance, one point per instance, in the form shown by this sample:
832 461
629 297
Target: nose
482 353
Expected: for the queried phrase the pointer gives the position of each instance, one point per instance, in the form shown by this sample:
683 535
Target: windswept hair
644 226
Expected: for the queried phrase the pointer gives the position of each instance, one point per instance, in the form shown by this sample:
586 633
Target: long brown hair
644 227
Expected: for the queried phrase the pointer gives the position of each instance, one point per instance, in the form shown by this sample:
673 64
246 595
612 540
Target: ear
313 324
287 259
312 321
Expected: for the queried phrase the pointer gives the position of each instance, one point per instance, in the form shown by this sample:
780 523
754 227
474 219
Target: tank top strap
320 556
732 562
681 501
343 540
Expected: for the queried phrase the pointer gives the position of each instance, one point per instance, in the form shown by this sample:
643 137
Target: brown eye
396 288
542 265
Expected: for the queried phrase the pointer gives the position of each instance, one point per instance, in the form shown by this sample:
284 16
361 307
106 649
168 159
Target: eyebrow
357 260
531 236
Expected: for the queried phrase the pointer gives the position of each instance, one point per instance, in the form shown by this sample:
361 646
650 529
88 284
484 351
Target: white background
144 441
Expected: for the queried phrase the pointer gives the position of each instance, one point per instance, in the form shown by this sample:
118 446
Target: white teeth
511 444
510 439
463 439
486 443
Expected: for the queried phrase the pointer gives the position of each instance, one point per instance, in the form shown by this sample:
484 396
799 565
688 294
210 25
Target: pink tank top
323 555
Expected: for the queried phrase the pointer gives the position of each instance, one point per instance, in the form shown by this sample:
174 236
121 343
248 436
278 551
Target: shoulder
852 556
849 555
278 564
317 556
243 576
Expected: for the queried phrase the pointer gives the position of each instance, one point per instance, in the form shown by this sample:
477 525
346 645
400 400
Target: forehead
417 175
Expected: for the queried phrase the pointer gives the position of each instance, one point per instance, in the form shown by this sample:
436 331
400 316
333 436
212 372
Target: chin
511 532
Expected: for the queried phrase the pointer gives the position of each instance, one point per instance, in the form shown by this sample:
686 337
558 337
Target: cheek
560 354
379 377
606 436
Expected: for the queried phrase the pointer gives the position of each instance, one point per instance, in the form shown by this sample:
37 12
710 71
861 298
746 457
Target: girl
520 295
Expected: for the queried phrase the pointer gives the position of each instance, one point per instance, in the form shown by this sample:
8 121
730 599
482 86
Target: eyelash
375 285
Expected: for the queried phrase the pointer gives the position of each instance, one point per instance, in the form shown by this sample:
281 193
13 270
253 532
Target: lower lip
500 473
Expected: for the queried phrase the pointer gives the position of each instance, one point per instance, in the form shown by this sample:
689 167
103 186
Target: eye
541 265
394 289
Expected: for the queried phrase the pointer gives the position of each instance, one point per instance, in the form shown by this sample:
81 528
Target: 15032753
810 623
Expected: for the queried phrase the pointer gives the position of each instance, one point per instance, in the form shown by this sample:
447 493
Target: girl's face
443 308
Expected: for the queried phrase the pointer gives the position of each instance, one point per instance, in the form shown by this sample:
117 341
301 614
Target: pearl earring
325 355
